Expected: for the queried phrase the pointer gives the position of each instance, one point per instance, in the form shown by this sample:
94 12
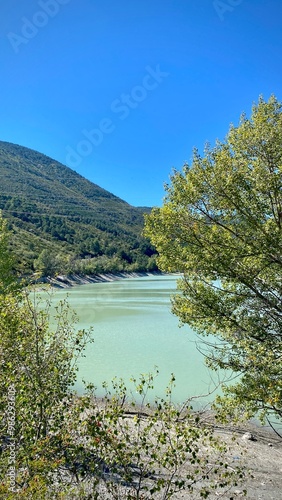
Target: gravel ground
257 450
262 456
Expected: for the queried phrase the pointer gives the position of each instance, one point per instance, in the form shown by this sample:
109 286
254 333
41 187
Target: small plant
145 450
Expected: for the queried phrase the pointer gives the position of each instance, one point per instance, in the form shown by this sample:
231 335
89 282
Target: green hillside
61 222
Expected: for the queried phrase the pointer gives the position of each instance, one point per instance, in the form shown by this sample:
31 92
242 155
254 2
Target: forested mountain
61 222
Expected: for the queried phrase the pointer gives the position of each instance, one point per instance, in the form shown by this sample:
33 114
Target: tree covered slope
57 214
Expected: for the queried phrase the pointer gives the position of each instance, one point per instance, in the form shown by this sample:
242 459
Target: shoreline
67 281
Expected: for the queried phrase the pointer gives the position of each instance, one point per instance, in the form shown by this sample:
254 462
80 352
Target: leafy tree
38 370
221 226
49 264
7 275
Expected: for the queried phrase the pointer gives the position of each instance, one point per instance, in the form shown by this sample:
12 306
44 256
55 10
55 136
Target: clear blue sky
144 80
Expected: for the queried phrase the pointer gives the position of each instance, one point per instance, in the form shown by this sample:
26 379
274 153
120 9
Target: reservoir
134 332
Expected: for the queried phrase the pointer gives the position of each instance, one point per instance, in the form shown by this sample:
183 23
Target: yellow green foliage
221 226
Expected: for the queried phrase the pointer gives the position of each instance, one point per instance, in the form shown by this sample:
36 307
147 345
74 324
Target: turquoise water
134 332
